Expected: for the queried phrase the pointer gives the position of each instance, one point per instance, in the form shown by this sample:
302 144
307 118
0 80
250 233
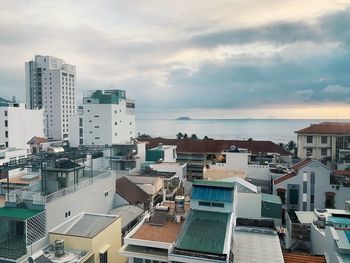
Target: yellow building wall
73 242
110 236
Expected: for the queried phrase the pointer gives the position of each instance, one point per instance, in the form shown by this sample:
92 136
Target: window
6 144
312 199
138 260
97 138
67 214
308 151
6 134
6 123
204 203
116 123
309 139
323 152
103 258
106 194
324 139
217 205
97 127
5 112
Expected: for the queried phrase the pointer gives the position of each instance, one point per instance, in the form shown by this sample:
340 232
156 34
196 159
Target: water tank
347 205
180 204
59 248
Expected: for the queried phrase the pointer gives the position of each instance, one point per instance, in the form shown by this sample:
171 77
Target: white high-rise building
107 117
18 125
50 85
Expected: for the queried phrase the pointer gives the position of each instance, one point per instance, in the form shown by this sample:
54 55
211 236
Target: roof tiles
302 258
327 128
217 146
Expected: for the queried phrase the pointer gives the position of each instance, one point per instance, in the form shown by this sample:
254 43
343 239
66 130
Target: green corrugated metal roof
17 213
204 232
214 183
271 198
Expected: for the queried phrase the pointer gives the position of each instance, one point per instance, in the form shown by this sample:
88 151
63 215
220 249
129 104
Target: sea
276 130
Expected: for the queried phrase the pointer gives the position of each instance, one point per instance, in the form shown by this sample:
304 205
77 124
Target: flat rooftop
85 225
166 233
291 257
218 174
255 245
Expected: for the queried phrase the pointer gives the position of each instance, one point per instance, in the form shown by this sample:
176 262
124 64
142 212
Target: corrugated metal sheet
208 193
204 232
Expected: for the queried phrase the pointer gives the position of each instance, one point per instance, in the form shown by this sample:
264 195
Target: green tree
292 147
179 136
250 139
206 137
185 136
194 136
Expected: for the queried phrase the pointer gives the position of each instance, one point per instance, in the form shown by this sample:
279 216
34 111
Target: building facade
311 185
324 142
50 85
107 117
18 125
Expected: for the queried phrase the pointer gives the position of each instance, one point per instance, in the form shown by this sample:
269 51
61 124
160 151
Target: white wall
23 124
322 185
248 205
90 199
107 124
74 130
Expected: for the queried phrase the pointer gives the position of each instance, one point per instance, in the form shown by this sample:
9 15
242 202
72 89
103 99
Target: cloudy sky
204 59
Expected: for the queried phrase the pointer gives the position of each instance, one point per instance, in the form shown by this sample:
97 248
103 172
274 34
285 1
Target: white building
18 125
50 85
108 118
323 142
311 185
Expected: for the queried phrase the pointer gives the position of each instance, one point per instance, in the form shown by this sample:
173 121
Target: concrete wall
248 205
23 124
94 198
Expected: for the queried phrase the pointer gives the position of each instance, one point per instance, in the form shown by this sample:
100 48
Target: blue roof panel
212 193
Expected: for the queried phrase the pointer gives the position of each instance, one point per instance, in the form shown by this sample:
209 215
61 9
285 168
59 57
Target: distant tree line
193 136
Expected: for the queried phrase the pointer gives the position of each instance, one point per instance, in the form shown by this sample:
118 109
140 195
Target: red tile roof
327 128
217 146
295 169
341 172
302 258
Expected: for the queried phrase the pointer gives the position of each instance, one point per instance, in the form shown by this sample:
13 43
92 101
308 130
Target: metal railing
39 199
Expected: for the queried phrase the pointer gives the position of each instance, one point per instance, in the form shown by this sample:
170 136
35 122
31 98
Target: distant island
184 118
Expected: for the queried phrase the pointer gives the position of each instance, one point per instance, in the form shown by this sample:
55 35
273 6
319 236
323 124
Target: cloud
185 55
304 93
336 89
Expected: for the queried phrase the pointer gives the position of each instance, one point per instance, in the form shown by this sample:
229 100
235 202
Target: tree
194 136
292 147
206 137
282 145
179 136
185 136
250 139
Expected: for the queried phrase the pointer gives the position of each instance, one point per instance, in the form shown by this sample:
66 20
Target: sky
198 58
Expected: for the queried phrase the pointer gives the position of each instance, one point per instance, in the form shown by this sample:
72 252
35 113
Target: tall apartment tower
50 85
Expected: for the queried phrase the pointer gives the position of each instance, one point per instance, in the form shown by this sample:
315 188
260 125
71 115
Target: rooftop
266 246
326 128
294 172
166 233
300 258
21 179
85 225
218 174
17 213
217 146
130 191
128 213
210 193
204 232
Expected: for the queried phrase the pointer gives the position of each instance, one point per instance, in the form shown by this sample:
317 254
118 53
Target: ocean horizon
276 130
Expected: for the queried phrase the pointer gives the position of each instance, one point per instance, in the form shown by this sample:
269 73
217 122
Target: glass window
323 152
138 260
324 139
103 257
309 139
204 203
